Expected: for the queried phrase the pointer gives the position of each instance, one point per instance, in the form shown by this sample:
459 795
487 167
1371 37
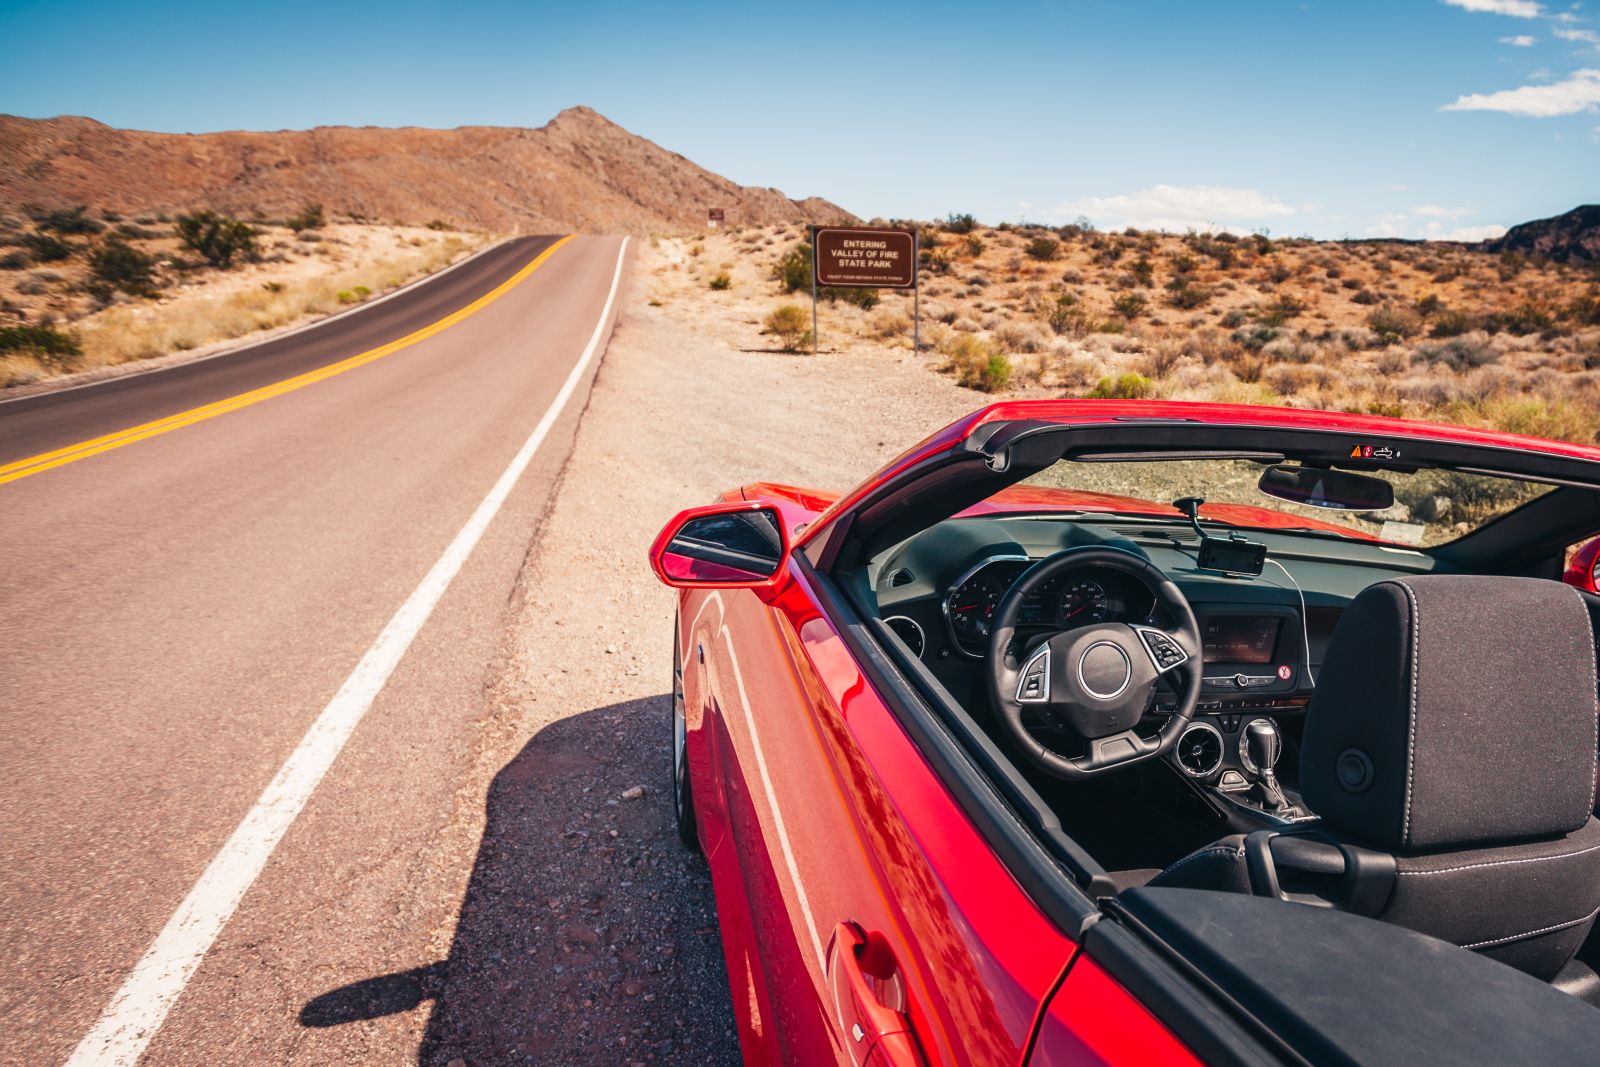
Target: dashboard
939 592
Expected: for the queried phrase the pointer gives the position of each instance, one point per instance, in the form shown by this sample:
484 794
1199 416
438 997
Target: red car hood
804 505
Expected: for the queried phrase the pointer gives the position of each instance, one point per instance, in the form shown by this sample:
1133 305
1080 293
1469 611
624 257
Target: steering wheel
1097 680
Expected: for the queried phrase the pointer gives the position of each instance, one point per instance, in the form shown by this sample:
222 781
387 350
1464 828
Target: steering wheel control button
1034 685
1104 670
1164 651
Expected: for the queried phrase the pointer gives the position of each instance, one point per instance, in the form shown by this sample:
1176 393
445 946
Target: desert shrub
1123 387
308 218
1255 338
345 296
974 245
439 224
792 271
1182 292
790 326
1143 271
1521 321
1130 305
865 299
1162 360
1018 339
115 264
720 282
1223 252
888 324
15 260
962 224
1393 323
1510 265
48 345
70 220
1279 311
1065 317
219 239
1235 319
1182 263
977 363
1366 297
47 247
1585 310
1460 354
1044 248
1448 322
362 292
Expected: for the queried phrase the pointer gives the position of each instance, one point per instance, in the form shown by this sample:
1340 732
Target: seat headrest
1454 711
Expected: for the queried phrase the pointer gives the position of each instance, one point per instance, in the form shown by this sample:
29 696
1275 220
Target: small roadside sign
716 217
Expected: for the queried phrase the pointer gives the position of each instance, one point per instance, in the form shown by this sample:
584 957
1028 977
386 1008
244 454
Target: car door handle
870 998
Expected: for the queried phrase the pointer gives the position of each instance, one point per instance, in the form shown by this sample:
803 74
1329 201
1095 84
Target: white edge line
141 1005
246 346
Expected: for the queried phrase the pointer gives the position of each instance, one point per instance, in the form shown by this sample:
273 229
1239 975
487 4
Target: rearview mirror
1318 487
725 545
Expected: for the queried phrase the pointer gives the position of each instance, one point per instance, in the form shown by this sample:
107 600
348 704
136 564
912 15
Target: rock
457 1062
1397 513
1433 508
633 792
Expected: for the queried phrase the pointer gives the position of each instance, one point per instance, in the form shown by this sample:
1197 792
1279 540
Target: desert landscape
1432 330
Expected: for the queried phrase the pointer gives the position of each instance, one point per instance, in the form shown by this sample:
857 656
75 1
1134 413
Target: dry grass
295 281
1430 331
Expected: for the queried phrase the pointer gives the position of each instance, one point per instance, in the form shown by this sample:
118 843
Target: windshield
1430 508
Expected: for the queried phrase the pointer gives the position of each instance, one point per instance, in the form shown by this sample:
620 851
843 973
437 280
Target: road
242 549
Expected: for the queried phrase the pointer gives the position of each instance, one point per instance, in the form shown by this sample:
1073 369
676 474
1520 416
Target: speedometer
972 610
1084 601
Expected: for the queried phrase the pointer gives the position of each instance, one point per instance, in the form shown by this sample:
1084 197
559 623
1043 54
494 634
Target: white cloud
1476 233
1581 36
1579 92
1178 208
1521 40
1436 211
1522 9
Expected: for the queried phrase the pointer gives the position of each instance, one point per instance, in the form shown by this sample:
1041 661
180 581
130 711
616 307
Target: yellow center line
22 468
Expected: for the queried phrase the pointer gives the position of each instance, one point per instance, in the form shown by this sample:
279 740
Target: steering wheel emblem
1104 670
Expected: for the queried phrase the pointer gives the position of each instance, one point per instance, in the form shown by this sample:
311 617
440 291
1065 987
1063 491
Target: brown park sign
865 258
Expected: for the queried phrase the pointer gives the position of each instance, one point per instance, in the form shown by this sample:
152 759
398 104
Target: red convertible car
1142 732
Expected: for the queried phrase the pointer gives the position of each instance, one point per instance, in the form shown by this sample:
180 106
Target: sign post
715 217
862 257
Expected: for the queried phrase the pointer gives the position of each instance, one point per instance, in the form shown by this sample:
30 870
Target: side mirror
1319 487
1582 568
724 546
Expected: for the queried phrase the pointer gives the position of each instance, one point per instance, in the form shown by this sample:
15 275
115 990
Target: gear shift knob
1265 745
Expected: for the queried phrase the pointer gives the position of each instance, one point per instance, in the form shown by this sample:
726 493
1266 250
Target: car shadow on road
588 933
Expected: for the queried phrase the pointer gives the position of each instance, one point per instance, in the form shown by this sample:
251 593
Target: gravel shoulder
587 933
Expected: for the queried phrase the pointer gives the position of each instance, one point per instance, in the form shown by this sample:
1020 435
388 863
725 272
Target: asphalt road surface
207 561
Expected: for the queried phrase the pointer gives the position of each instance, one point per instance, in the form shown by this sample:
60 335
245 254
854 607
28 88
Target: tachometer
1084 601
972 610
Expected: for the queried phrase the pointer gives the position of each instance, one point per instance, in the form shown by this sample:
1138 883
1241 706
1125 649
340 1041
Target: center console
1254 676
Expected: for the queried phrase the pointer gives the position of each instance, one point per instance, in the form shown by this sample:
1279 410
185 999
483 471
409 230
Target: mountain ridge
580 171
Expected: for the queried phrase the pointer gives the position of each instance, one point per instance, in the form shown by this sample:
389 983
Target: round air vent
909 632
1199 750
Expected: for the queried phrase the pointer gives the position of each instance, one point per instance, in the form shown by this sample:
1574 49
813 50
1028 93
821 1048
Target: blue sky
1325 117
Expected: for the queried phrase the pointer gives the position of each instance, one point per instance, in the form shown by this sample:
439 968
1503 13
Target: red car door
863 918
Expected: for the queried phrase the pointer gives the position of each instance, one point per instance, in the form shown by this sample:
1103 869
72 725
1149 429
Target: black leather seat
1453 736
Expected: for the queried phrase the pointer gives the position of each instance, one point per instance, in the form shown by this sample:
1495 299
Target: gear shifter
1265 746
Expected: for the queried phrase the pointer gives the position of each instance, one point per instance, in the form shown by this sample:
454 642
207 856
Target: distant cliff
1570 238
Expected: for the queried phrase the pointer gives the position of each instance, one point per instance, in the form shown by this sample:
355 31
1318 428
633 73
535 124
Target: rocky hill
579 172
1570 238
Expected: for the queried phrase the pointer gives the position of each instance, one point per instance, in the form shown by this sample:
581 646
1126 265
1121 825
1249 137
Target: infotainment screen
1241 638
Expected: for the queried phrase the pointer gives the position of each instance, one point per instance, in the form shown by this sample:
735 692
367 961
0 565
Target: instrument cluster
1075 598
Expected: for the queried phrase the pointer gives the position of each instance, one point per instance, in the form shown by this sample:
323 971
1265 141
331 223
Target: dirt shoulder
592 930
